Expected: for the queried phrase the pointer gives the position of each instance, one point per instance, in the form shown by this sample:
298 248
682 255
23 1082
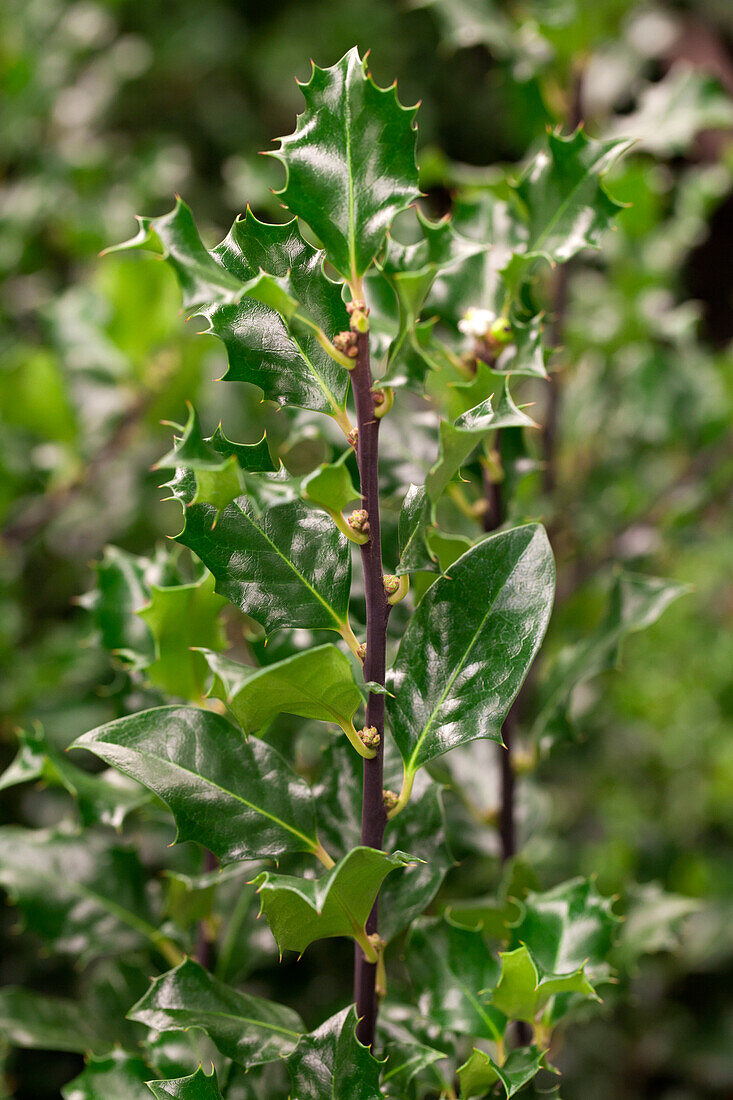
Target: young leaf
238 798
567 927
317 683
449 968
480 1073
350 163
524 989
179 618
286 566
459 439
462 660
248 1029
634 604
331 1062
41 1022
85 896
331 486
300 911
118 1076
199 1086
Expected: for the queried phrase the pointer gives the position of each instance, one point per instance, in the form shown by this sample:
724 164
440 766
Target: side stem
373 816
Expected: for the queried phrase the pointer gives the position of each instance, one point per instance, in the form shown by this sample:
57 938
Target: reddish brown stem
373 816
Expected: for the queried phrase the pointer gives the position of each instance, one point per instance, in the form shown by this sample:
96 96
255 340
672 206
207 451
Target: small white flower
477 322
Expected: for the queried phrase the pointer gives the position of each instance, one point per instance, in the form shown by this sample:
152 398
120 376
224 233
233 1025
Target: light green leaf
653 921
634 604
459 439
523 989
350 163
331 1062
480 1073
238 798
116 1077
332 488
248 1029
462 660
317 683
285 566
300 911
85 896
180 618
199 1086
451 968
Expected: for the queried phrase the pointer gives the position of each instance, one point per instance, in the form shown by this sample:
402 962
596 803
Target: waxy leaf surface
524 989
238 798
350 163
316 683
199 1086
248 1029
338 903
286 566
478 1076
40 1022
469 645
414 527
331 1063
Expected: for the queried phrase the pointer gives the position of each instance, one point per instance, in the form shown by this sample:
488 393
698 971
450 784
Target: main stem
373 816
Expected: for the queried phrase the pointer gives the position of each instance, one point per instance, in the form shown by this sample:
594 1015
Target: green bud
501 331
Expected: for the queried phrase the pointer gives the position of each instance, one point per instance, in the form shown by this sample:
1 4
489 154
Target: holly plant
319 654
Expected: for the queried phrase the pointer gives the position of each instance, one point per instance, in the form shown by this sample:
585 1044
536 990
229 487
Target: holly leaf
652 922
451 969
179 618
480 1073
462 661
415 527
459 439
210 471
635 602
285 566
338 903
566 206
199 1086
39 1022
406 1055
332 1062
524 989
248 1029
317 683
567 927
118 1076
238 798
350 163
105 798
85 897
331 487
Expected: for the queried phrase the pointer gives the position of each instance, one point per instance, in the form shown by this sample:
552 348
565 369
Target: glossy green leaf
407 1056
103 798
123 587
653 922
317 683
480 1073
331 1062
331 486
567 927
116 1077
414 528
350 163
566 206
523 989
459 439
451 971
180 618
199 1086
338 903
84 895
635 602
286 566
462 660
248 1029
238 798
41 1022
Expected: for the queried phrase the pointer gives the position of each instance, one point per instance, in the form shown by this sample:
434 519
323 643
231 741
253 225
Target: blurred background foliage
110 107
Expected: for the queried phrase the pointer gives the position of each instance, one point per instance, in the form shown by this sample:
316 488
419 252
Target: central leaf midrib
426 728
244 1019
290 564
311 841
